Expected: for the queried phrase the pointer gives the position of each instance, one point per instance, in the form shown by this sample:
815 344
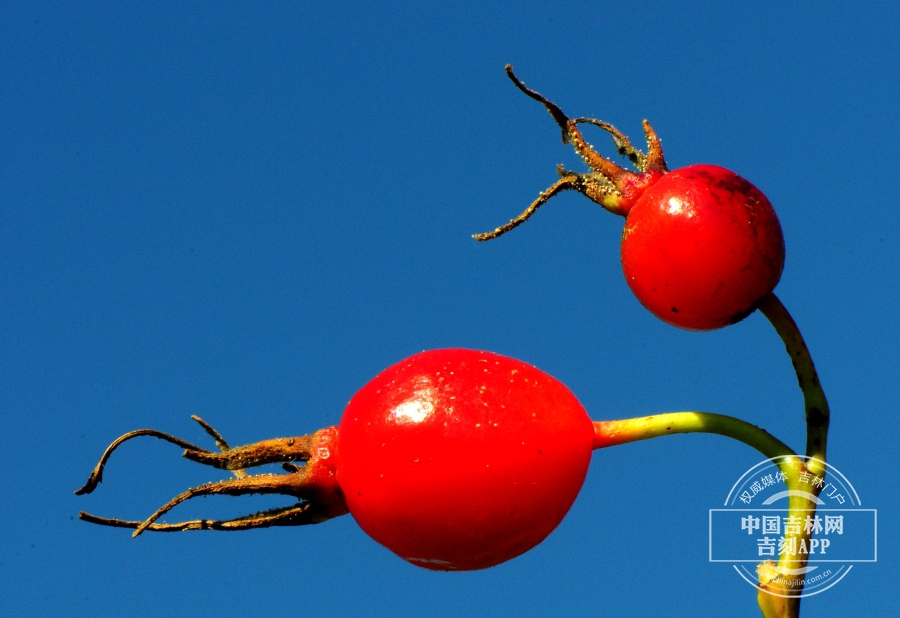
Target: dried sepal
314 483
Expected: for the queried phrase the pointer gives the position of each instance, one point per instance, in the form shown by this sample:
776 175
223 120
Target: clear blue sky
246 212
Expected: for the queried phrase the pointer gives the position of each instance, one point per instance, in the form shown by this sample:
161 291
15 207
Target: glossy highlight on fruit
459 459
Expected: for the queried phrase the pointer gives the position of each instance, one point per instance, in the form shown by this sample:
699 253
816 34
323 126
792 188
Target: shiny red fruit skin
459 459
702 247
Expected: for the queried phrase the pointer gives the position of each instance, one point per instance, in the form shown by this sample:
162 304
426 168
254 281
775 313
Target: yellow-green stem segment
611 433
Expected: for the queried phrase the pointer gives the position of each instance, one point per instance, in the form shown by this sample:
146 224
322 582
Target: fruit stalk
611 433
777 598
815 403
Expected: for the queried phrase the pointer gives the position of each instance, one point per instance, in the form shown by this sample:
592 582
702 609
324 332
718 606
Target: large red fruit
458 459
702 247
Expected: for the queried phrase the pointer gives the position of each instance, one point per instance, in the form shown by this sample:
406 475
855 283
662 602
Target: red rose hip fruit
458 460
452 459
702 247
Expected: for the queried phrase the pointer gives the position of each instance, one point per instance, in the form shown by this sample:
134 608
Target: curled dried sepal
314 484
96 476
608 184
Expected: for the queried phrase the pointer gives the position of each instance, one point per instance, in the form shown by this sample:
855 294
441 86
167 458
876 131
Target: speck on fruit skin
498 468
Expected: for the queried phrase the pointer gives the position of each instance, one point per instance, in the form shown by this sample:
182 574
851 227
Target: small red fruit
459 460
701 248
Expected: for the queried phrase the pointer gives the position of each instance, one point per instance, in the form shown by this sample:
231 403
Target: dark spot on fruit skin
731 183
674 309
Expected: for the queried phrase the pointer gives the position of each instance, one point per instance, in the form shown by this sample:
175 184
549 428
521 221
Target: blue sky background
246 212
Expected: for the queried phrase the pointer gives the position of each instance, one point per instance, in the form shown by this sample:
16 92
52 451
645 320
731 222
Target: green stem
611 433
772 578
815 403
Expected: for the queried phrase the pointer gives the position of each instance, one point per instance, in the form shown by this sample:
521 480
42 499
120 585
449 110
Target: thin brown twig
285 516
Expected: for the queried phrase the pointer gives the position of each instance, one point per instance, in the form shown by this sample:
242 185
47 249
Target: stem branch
611 433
